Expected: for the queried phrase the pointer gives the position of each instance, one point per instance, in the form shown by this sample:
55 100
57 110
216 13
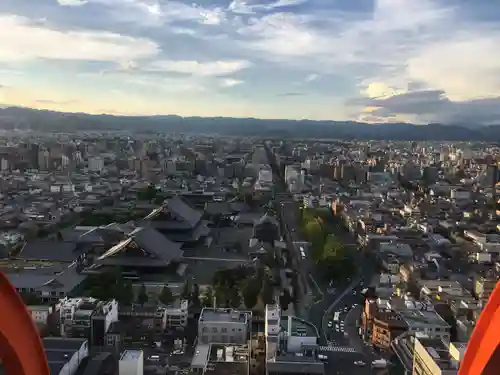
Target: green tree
186 291
166 296
106 285
222 295
195 295
30 299
267 292
234 298
147 194
127 295
333 250
159 199
208 297
315 234
250 291
285 299
142 297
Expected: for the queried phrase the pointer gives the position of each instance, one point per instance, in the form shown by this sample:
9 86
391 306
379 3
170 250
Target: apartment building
386 326
87 318
224 326
436 357
176 315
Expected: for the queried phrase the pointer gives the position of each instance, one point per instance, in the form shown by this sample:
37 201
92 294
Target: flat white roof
131 355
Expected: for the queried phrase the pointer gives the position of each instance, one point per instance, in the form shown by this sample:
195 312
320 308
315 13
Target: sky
420 61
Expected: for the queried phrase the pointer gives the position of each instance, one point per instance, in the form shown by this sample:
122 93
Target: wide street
340 342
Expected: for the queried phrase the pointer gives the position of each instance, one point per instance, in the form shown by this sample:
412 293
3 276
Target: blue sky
368 60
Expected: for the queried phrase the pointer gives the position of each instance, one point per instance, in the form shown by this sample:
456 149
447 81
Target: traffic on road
336 313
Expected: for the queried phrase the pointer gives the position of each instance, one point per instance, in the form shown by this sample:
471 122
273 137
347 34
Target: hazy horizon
369 60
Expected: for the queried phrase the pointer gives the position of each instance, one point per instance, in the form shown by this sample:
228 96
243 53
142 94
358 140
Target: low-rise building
223 326
386 326
221 359
176 315
87 318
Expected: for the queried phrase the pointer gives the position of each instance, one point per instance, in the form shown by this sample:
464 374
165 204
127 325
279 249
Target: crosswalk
343 349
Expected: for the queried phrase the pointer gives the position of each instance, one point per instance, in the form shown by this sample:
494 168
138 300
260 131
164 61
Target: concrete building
221 359
96 164
131 363
40 313
426 322
223 326
87 318
436 357
176 315
483 287
65 355
386 326
291 344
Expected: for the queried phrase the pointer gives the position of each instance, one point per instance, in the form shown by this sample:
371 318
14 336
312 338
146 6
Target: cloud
55 102
398 58
157 13
433 106
250 7
21 41
311 77
290 94
196 68
72 3
229 82
387 37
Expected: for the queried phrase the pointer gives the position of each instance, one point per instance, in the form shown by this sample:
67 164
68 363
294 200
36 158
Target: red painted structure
482 356
22 351
21 348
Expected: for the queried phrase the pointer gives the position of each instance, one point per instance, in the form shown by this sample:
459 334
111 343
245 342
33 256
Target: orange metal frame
482 356
21 348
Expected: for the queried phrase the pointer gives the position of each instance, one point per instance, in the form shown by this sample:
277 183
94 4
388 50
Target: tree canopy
207 297
250 291
147 194
109 285
333 250
166 296
142 297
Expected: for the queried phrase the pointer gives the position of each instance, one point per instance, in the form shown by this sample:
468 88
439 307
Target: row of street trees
230 287
241 285
110 285
327 250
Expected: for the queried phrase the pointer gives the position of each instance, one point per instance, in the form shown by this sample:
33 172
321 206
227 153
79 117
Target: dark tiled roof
184 211
49 250
157 244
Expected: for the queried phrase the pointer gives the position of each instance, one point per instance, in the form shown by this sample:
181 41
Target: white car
330 324
360 363
322 357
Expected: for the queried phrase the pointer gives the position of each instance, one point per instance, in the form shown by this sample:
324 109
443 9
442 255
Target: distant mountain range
25 118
